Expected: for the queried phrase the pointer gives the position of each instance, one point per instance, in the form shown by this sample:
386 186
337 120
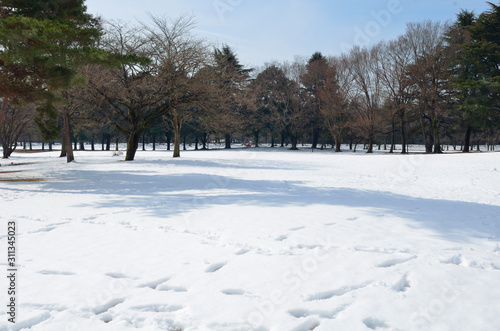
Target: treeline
436 83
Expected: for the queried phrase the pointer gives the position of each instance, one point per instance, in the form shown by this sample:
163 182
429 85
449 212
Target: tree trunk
177 124
315 138
67 137
132 144
117 148
403 132
169 141
337 144
50 146
196 143
82 145
92 143
370 146
144 142
256 137
227 138
294 140
437 142
4 109
468 133
393 137
184 143
154 143
204 139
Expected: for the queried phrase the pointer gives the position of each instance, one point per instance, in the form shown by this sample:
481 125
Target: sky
261 31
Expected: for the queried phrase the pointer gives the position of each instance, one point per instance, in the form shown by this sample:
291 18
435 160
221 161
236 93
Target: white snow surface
253 239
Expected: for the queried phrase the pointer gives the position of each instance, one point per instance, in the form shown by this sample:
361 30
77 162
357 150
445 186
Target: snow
253 239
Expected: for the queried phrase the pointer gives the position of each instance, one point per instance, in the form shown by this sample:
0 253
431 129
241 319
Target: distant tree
292 115
232 80
269 91
395 57
334 98
313 80
167 86
429 72
17 120
367 93
476 69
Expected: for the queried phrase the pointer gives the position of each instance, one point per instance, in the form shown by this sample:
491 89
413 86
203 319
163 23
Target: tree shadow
166 195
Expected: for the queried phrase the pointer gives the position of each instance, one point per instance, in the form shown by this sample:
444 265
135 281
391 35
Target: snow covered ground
253 239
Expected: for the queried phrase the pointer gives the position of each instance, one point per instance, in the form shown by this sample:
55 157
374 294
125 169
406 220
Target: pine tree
476 70
42 44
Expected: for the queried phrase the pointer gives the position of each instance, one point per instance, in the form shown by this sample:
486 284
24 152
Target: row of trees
434 81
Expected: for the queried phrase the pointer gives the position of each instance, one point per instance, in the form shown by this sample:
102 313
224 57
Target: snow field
255 240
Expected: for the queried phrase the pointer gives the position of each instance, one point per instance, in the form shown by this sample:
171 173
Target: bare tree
168 85
367 91
430 74
17 120
394 59
334 98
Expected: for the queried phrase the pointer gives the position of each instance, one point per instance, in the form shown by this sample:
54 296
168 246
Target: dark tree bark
256 137
294 141
403 132
169 141
338 145
227 138
468 133
315 138
108 142
204 139
132 145
67 137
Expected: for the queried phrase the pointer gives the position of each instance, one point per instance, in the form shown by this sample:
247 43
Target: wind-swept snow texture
254 240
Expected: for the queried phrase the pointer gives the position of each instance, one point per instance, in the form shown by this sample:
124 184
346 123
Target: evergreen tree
476 69
234 79
42 43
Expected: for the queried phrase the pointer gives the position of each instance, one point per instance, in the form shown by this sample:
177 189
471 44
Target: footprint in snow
456 260
374 324
393 262
107 306
303 313
60 273
233 292
242 251
154 284
158 308
307 325
116 275
166 288
281 238
215 267
402 285
334 293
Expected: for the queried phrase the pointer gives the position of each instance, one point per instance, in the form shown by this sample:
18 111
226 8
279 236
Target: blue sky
264 30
